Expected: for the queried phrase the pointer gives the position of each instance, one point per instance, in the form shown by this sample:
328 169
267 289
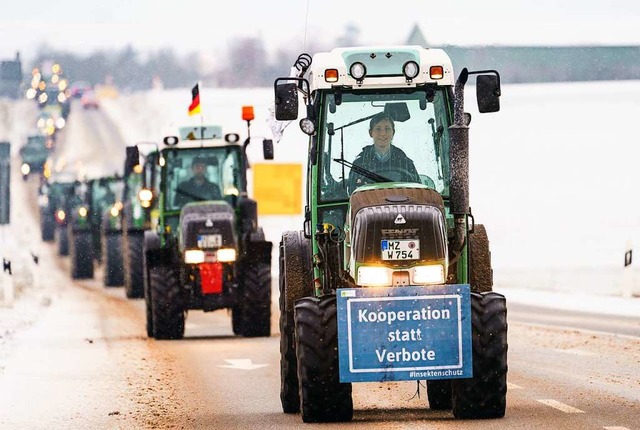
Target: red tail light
211 278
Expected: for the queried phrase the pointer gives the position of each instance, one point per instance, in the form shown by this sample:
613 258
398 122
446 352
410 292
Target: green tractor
110 193
56 200
139 214
389 279
34 154
207 251
100 200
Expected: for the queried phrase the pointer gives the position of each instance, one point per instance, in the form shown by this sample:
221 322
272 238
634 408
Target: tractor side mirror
488 93
132 159
286 102
267 149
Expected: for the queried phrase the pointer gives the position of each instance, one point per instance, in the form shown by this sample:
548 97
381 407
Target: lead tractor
206 254
390 278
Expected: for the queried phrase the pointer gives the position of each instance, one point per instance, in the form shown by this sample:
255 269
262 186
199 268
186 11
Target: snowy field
554 174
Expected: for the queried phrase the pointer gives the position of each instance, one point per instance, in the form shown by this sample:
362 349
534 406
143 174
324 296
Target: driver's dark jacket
397 161
192 191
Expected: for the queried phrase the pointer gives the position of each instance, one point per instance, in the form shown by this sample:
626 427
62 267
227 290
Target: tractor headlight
82 211
374 276
431 274
193 256
25 169
145 195
226 255
114 211
60 215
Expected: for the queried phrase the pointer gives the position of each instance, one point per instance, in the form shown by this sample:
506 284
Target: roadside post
6 280
5 183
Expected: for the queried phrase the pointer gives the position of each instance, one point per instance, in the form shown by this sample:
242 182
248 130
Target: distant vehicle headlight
193 256
25 169
226 255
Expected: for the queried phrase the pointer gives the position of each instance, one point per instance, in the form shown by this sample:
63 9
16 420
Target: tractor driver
198 187
382 157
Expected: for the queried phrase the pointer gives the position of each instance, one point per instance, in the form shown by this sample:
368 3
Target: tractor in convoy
389 278
100 200
57 196
207 251
34 154
139 214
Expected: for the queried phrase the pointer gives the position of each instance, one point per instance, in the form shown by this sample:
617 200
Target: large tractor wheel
113 270
255 288
63 241
146 281
295 281
81 252
47 227
484 395
480 271
133 277
166 303
439 394
322 397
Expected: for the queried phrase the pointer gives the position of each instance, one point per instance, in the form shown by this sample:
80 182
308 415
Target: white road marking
241 363
560 406
615 428
511 386
575 351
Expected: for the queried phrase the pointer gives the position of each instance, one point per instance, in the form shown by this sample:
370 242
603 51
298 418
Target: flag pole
201 116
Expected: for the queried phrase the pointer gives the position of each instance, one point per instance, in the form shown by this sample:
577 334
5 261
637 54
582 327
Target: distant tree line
247 64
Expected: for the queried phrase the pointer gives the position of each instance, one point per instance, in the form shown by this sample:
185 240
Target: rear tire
323 398
113 267
166 303
484 395
132 264
480 271
81 252
294 283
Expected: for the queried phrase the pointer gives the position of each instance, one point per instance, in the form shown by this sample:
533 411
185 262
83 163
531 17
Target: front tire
323 398
132 264
439 394
255 289
81 252
166 303
63 241
113 270
484 395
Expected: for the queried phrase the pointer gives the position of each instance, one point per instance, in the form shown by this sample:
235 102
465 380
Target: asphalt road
76 357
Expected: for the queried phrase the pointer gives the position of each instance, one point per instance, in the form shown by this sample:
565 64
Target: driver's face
382 133
199 169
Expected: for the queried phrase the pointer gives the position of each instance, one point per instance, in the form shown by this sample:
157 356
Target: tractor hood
397 227
207 225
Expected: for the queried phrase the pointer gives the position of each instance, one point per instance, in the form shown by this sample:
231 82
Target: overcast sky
194 25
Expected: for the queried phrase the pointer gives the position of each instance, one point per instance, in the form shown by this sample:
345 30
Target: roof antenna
306 23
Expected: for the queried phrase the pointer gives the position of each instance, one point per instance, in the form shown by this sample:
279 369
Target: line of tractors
389 279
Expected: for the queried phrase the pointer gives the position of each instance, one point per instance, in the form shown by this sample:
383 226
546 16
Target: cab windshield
220 166
414 146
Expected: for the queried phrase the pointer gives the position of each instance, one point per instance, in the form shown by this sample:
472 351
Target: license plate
401 249
209 240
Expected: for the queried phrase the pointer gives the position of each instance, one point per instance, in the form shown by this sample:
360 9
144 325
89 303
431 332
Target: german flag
194 108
